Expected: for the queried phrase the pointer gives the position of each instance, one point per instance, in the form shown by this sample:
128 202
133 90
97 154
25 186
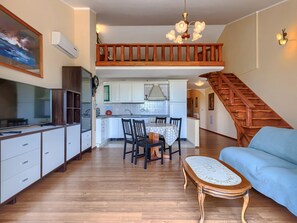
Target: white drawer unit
18 164
19 145
19 182
53 152
86 138
72 141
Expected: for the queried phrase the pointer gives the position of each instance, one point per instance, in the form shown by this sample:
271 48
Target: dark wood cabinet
78 79
66 107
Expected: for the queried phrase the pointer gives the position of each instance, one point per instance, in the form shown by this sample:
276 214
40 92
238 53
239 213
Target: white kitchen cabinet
53 152
125 91
86 140
113 128
178 90
115 92
137 92
101 131
72 141
20 164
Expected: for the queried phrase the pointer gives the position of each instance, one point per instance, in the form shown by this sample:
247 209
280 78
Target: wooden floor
103 188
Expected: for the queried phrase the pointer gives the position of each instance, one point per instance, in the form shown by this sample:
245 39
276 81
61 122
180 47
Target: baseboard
218 134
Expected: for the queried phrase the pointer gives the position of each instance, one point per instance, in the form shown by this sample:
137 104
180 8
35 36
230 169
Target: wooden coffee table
217 179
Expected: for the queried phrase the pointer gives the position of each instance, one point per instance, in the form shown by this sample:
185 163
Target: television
23 104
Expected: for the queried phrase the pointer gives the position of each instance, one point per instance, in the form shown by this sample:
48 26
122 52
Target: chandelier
182 28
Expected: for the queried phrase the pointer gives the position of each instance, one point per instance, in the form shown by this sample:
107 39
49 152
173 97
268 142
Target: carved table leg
201 197
186 179
244 207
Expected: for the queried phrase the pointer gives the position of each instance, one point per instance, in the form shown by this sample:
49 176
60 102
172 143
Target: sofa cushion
277 141
268 174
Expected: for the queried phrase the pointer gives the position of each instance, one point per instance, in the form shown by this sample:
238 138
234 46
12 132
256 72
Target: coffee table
216 178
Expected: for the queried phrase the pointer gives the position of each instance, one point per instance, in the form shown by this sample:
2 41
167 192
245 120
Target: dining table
168 131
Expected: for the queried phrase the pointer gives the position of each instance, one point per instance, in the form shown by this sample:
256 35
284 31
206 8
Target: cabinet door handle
25 144
46 153
24 180
69 143
25 162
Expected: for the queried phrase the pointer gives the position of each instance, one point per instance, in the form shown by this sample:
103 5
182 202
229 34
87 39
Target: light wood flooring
102 187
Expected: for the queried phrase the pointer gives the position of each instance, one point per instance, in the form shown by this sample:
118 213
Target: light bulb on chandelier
183 26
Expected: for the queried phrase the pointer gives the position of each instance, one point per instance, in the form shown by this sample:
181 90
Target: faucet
86 113
128 110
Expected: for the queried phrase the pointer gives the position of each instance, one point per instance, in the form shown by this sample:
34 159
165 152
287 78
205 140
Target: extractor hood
156 94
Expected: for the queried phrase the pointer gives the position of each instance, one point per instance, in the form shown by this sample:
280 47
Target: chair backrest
178 123
160 120
139 130
127 129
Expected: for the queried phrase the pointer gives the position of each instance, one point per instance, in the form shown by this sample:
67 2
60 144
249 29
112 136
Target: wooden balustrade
159 54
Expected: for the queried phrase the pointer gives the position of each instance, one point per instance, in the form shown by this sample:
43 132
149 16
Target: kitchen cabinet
138 92
20 164
53 152
72 141
123 92
86 140
114 92
115 128
101 131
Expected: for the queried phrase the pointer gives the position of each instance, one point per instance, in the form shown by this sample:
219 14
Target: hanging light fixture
182 27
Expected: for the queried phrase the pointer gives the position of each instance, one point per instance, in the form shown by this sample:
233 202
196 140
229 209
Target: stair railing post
249 116
231 96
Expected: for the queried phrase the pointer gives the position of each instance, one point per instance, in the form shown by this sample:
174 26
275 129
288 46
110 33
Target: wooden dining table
168 131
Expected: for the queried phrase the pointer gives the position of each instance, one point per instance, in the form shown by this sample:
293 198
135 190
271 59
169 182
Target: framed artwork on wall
211 101
20 44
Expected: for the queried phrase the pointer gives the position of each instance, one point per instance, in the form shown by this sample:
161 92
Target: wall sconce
97 34
282 37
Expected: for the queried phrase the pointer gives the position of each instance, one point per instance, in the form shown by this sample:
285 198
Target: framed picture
211 101
20 44
196 102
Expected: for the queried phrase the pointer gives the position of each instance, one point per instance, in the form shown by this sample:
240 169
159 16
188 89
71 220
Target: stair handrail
243 98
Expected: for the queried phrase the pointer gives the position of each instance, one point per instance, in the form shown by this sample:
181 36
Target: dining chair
142 140
178 123
128 137
160 120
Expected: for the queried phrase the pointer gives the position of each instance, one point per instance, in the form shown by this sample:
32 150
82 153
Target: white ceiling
168 12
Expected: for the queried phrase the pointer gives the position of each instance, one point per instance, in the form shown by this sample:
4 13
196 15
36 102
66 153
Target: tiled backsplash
147 108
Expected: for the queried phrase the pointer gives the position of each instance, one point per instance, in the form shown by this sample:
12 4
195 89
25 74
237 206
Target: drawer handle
24 180
25 162
69 143
25 144
46 153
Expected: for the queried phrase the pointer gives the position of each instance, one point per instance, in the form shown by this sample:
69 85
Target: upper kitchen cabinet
178 90
123 92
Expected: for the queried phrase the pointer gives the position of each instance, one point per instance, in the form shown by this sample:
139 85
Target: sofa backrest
280 142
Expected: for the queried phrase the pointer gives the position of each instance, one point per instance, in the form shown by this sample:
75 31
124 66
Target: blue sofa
269 163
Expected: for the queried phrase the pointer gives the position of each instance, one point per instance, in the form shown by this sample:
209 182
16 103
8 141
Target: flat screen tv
23 104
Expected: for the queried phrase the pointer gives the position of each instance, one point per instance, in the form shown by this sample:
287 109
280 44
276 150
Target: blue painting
20 44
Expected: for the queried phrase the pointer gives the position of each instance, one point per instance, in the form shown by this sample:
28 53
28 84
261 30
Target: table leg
186 179
155 150
201 197
244 207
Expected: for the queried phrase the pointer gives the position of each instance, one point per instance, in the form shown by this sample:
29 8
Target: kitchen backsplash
147 108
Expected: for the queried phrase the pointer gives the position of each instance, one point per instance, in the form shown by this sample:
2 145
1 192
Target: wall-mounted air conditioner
63 44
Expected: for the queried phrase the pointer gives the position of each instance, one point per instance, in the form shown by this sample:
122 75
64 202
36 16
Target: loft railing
159 54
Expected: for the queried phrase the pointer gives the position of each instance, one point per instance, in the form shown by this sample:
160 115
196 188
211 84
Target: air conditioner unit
63 44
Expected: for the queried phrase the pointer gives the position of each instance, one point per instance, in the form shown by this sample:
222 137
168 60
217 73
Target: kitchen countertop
130 116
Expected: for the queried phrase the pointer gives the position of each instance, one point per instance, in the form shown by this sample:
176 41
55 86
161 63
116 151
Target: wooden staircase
247 110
